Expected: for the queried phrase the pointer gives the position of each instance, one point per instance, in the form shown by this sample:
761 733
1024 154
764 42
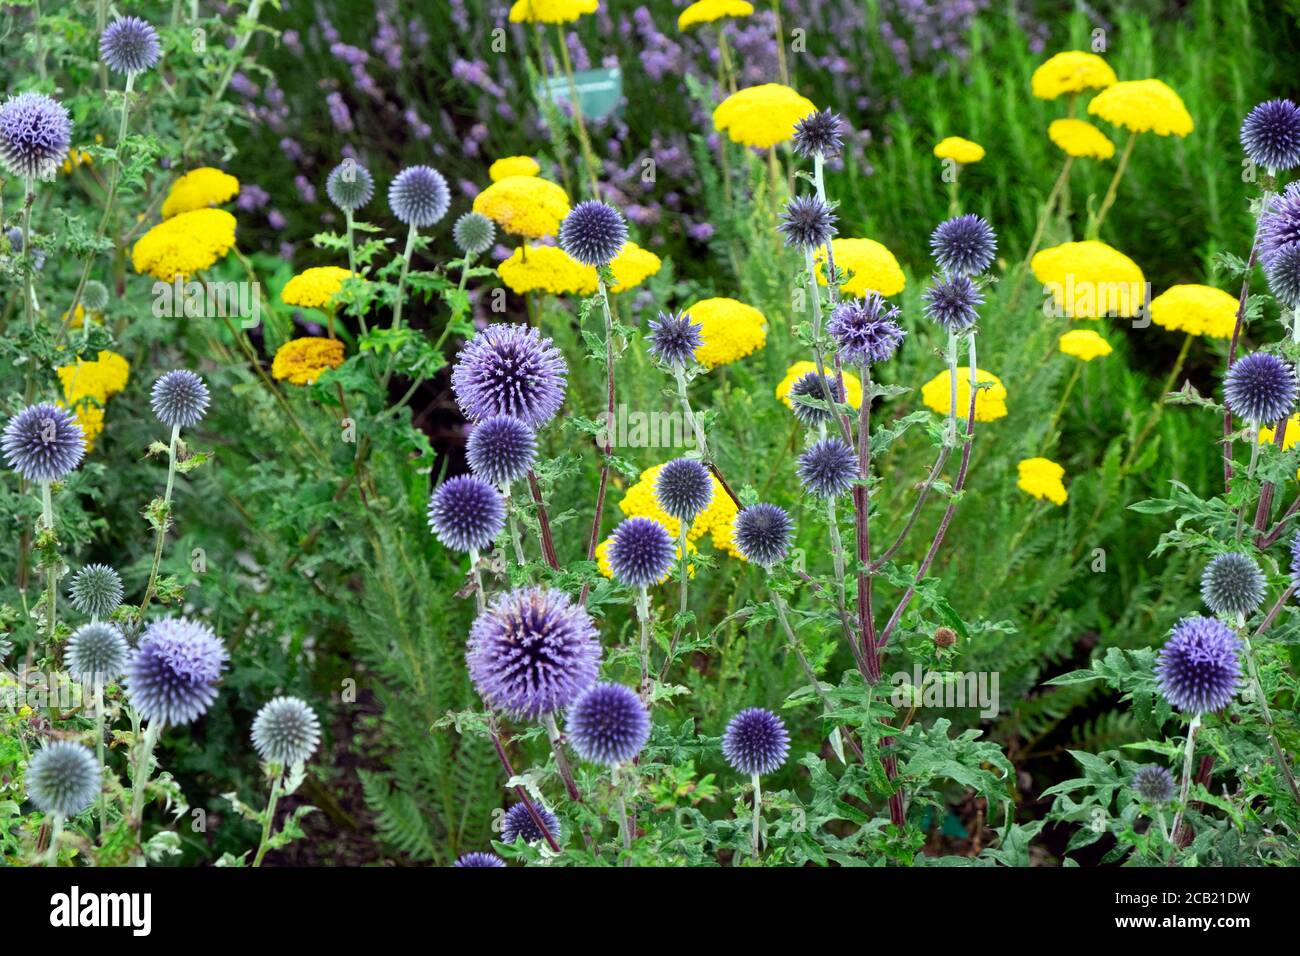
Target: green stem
268 821
1094 228
1043 218
758 813
1192 728
480 598
561 761
1158 408
29 200
643 616
1060 406
99 751
397 304
164 521
56 831
583 141
144 755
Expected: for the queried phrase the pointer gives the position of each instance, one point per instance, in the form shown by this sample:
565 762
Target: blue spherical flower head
828 468
172 676
608 725
819 134
63 778
809 385
43 442
964 245
501 449
466 513
96 590
807 223
763 533
865 331
674 339
418 196
479 859
1198 669
1279 225
35 133
756 742
1153 783
1270 135
510 370
684 489
96 652
953 302
473 233
593 233
1283 273
641 552
1232 584
179 398
532 652
129 45
1260 388
519 823
350 185
285 731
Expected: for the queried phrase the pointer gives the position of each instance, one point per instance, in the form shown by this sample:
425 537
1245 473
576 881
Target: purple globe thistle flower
953 302
179 398
1270 135
1198 670
63 778
350 185
43 442
819 134
285 731
501 449
418 196
684 488
1279 225
964 245
518 822
129 45
807 223
1232 584
829 468
15 236
674 339
865 331
474 233
641 552
1260 388
172 675
608 725
532 652
1283 273
593 233
96 652
466 513
35 133
763 534
1153 783
96 590
479 859
809 385
510 370
755 742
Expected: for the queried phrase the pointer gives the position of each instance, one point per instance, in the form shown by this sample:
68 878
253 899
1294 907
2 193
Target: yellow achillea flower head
852 384
706 11
100 379
1041 478
114 370
1143 106
606 569
1269 434
302 361
198 189
1084 344
90 416
632 266
718 518
730 329
546 269
313 288
1090 279
990 403
959 150
184 244
1079 138
1196 310
1071 72
551 11
77 157
761 116
870 266
524 205
509 166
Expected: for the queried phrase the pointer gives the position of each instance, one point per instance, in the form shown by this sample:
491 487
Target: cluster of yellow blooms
524 205
551 11
707 11
302 361
1196 310
551 270
730 330
1090 279
199 189
1084 344
78 157
1041 478
1143 106
1079 138
870 267
182 245
314 288
509 166
1071 72
1269 434
959 150
852 384
761 116
990 402
87 386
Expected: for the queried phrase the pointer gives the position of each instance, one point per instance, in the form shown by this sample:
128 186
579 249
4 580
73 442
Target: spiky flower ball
608 725
532 652
762 534
129 45
807 223
1198 669
964 245
828 468
1279 224
674 339
510 370
418 196
285 731
473 233
350 185
96 590
819 134
1153 783
35 133
172 676
640 552
466 513
953 302
684 488
1260 388
179 398
95 296
63 778
501 449
755 742
865 330
593 233
96 652
1283 273
1270 135
518 822
810 385
1232 584
479 859
43 442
